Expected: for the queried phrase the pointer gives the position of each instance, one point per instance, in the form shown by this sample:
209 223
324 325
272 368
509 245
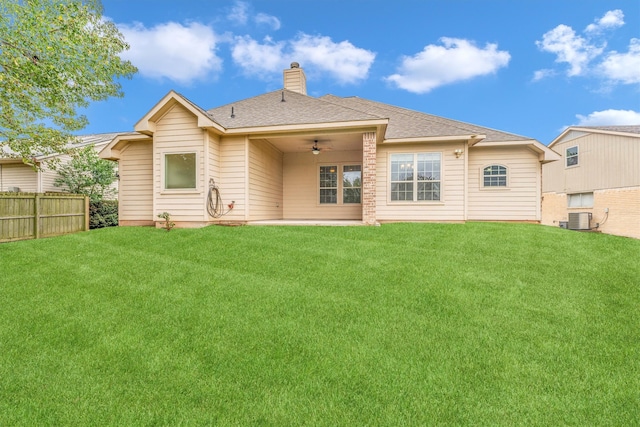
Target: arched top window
495 176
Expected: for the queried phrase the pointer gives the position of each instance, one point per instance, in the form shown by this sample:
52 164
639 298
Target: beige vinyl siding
301 186
604 161
49 175
136 182
451 204
520 200
18 175
233 176
177 132
265 181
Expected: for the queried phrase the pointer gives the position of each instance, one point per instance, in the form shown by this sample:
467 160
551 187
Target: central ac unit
579 220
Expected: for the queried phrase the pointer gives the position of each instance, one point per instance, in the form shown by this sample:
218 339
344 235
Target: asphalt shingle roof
405 123
270 110
627 129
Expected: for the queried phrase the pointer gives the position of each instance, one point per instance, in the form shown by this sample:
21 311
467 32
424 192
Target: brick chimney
295 80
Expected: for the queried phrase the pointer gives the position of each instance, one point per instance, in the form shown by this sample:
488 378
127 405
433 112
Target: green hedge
103 214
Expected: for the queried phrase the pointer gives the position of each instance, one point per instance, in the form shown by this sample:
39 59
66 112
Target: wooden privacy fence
36 215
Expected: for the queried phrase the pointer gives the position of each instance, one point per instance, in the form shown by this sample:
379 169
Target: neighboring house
285 155
17 176
597 183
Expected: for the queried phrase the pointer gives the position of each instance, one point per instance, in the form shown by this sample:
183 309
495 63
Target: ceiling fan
315 149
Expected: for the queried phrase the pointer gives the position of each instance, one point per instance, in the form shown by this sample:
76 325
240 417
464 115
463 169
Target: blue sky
526 67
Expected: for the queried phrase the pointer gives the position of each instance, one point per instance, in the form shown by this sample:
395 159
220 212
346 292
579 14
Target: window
580 200
351 183
572 156
180 171
415 177
345 180
328 184
495 176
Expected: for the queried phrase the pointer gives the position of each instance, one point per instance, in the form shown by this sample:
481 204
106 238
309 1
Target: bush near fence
103 214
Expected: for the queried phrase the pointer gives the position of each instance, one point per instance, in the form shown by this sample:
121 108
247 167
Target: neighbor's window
580 200
495 176
351 183
572 156
180 171
415 177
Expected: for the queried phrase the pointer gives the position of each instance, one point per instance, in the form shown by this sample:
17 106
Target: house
17 176
597 184
284 155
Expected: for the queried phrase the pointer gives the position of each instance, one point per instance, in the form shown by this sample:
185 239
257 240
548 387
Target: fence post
36 216
86 213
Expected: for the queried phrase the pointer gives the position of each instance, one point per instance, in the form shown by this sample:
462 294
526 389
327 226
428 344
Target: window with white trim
494 176
571 156
415 177
340 179
179 171
580 200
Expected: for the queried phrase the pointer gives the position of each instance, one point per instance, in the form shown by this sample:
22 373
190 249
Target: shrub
103 214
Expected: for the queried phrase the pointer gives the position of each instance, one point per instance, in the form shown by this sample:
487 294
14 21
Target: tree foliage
55 57
87 174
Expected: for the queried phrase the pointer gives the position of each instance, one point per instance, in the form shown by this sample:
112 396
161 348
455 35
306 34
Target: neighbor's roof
270 110
632 131
79 142
625 129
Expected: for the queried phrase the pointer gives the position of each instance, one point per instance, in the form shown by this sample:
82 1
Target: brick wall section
369 178
623 218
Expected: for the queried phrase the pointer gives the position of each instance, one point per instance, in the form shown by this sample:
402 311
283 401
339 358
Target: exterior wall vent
13 189
579 220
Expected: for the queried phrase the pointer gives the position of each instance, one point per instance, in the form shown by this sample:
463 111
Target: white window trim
593 201
494 188
415 202
340 196
163 165
577 156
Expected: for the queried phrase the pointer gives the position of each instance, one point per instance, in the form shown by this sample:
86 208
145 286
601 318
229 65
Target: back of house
285 155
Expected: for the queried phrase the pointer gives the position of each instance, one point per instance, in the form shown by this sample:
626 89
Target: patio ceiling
304 142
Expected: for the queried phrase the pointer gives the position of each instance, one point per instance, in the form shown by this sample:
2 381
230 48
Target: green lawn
404 324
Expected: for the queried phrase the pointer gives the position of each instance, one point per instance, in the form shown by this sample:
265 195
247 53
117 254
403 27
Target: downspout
205 165
466 181
1 184
247 178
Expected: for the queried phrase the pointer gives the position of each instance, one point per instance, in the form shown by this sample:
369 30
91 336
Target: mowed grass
403 324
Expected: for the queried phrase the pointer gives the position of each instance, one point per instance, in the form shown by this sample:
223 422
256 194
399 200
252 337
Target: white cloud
269 20
611 19
239 13
456 60
623 67
609 118
570 48
182 53
258 58
342 61
543 74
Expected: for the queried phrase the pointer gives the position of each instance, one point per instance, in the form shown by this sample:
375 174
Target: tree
87 174
55 57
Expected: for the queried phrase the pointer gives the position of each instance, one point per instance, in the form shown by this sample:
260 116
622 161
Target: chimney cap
295 65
